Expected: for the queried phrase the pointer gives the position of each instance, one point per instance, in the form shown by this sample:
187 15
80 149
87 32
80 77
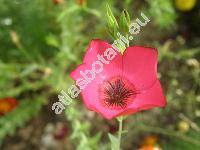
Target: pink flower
113 84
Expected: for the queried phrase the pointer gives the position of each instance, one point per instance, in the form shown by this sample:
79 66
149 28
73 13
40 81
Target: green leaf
124 21
114 141
52 40
111 18
113 26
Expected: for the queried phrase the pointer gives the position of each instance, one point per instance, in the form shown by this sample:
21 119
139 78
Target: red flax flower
7 105
114 85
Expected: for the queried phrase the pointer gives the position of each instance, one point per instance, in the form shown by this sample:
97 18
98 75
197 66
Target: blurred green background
41 41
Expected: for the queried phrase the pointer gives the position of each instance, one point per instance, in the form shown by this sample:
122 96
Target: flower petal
90 94
140 66
149 99
95 47
91 99
109 70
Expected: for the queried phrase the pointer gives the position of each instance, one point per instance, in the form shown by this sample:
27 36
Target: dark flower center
117 93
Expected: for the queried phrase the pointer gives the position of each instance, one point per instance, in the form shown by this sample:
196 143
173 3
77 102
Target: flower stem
120 119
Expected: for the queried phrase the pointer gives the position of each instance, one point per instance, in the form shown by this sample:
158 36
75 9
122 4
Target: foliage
18 117
163 13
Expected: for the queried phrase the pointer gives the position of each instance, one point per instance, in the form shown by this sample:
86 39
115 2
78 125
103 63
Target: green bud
113 26
124 22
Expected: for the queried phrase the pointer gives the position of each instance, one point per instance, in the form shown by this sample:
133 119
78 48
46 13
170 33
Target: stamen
117 93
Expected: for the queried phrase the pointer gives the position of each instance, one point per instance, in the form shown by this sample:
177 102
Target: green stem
120 119
127 39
